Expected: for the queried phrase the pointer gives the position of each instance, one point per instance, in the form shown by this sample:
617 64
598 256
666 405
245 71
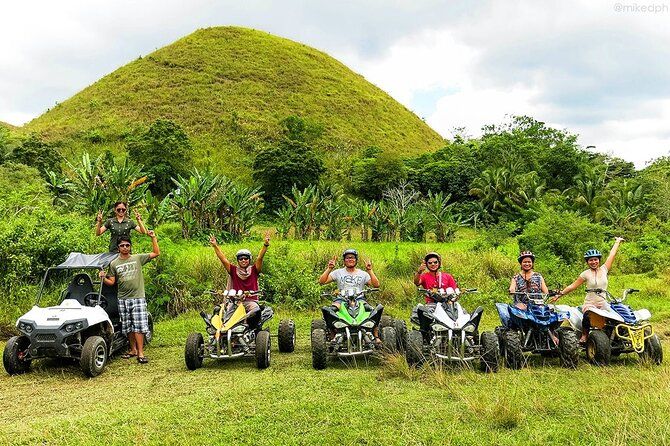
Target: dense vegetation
522 185
229 88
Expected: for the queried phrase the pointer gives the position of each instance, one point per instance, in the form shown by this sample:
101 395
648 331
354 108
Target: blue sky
597 68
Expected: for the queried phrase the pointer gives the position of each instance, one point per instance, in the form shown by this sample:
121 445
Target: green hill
229 88
7 126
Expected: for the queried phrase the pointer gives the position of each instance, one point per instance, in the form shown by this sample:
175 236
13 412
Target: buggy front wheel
93 356
12 357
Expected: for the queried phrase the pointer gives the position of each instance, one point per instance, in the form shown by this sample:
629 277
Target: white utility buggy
85 326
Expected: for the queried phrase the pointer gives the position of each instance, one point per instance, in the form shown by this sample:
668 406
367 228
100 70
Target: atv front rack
636 335
351 351
457 355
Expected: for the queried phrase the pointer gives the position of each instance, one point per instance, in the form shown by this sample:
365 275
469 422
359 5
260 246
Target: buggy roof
78 260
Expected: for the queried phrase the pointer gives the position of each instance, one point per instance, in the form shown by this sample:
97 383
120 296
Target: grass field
374 402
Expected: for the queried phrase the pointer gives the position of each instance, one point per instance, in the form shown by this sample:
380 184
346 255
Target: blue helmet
592 253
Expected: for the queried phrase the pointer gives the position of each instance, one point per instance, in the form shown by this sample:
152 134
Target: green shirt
129 277
117 229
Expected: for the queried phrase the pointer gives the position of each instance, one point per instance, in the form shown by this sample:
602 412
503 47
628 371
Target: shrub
563 234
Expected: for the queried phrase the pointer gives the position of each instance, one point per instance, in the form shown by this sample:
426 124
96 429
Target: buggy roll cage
77 260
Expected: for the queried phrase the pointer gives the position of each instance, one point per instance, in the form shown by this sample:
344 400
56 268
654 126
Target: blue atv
534 326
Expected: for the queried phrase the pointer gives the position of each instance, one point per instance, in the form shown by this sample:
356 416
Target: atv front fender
574 316
503 312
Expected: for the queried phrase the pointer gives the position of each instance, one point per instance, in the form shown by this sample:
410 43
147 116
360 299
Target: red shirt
429 281
249 284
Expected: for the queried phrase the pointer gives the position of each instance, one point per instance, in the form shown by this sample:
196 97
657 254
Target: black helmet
525 254
350 251
433 255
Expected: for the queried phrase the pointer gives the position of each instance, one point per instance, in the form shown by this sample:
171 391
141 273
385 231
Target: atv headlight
368 324
438 327
469 328
338 324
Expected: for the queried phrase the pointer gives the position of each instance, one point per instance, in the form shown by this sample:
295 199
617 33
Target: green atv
349 331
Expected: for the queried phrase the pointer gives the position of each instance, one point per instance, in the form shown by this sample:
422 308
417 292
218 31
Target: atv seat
80 285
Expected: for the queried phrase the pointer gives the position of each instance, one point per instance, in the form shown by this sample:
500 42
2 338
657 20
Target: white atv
85 326
616 329
446 331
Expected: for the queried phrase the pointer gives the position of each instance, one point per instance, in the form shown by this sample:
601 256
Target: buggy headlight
73 326
26 327
368 324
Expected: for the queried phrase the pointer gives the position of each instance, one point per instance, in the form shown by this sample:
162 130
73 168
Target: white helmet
243 253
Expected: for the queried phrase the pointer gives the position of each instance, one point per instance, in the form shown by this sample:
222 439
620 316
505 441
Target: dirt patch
7 331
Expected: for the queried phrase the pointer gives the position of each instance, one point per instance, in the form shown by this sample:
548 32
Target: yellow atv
234 333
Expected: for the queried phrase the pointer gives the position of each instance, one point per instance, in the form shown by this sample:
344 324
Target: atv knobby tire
414 352
501 342
512 346
10 357
93 356
319 349
320 324
386 321
263 345
194 352
653 351
490 352
598 348
286 336
401 334
568 347
389 339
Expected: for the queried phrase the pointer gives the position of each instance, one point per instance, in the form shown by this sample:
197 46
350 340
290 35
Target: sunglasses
120 209
124 245
435 262
243 258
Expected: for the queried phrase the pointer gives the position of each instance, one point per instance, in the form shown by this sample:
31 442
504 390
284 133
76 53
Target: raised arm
140 224
259 260
99 228
325 276
154 244
219 254
417 276
612 254
573 286
373 278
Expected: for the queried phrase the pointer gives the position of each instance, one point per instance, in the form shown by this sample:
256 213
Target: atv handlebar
443 295
538 298
609 295
234 294
349 294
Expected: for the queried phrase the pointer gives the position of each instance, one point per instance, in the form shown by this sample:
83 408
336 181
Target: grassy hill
7 126
229 87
